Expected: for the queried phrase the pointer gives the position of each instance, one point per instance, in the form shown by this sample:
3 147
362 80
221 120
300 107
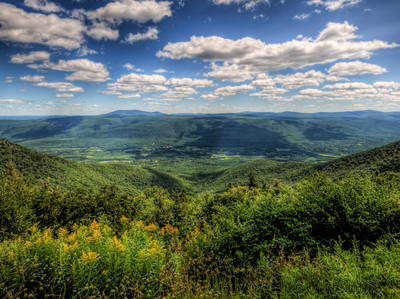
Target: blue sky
192 56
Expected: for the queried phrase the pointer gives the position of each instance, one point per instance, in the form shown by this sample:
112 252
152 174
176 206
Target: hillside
381 159
64 174
377 160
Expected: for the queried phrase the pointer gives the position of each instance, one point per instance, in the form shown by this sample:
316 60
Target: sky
86 57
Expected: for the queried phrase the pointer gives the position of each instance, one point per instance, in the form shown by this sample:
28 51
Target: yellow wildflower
62 232
47 235
169 229
11 254
95 236
124 219
89 257
139 223
72 237
117 244
28 243
151 227
94 225
34 228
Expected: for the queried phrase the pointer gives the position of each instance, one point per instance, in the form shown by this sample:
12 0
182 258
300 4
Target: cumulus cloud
297 80
351 91
349 85
43 5
333 5
233 90
140 11
230 72
189 82
180 92
336 41
102 30
32 57
151 33
81 69
61 86
139 82
32 78
16 25
356 68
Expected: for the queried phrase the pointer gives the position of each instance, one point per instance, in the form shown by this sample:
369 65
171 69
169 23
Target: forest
259 229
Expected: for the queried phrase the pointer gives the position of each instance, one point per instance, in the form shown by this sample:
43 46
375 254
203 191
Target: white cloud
356 68
151 33
81 69
351 91
139 82
233 90
387 85
102 30
60 86
9 79
131 67
200 83
349 85
336 41
43 5
84 51
332 5
301 17
180 92
129 96
297 80
140 11
160 71
16 25
11 101
210 96
65 95
32 57
32 78
247 4
230 72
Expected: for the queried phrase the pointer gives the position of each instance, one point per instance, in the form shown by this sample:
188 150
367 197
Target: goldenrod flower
34 228
151 227
94 225
89 257
117 244
169 229
139 223
124 219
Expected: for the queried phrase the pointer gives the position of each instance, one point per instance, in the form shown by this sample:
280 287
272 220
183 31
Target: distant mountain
67 174
132 113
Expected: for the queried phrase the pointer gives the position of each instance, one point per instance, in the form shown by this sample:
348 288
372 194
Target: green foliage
268 238
372 273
